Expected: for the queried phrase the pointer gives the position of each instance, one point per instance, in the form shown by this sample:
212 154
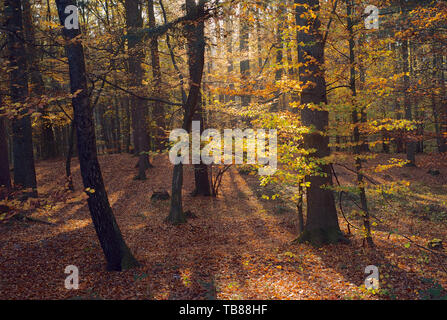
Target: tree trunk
70 185
363 117
48 144
396 107
229 46
356 132
24 171
134 22
104 132
439 107
244 35
410 143
443 142
195 32
259 37
117 253
201 178
158 112
279 52
117 126
5 177
322 222
127 130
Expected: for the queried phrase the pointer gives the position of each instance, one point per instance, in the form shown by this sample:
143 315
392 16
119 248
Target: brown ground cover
238 247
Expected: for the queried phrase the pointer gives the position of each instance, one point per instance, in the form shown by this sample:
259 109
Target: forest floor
238 247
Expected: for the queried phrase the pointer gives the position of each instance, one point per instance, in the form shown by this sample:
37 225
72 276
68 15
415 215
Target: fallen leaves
239 244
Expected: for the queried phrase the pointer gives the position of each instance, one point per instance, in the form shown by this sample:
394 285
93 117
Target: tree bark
229 46
201 178
70 185
439 106
104 132
195 32
118 255
127 130
134 21
363 115
279 52
24 171
5 176
47 141
244 35
158 111
410 144
356 132
322 222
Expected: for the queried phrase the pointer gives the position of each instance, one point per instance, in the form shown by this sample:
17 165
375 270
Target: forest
223 150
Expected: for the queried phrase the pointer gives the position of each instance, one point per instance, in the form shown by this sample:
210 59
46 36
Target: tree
195 31
47 141
118 255
322 222
23 157
244 35
410 145
134 22
158 112
439 104
201 177
229 48
5 177
355 122
279 49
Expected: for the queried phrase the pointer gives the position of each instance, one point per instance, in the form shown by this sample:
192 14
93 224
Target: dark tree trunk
196 60
117 253
176 214
244 34
127 134
410 143
439 106
103 124
322 222
70 185
117 123
279 52
158 112
443 142
5 177
201 178
117 127
299 207
230 68
259 37
398 141
134 22
418 113
24 171
47 141
363 117
356 132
